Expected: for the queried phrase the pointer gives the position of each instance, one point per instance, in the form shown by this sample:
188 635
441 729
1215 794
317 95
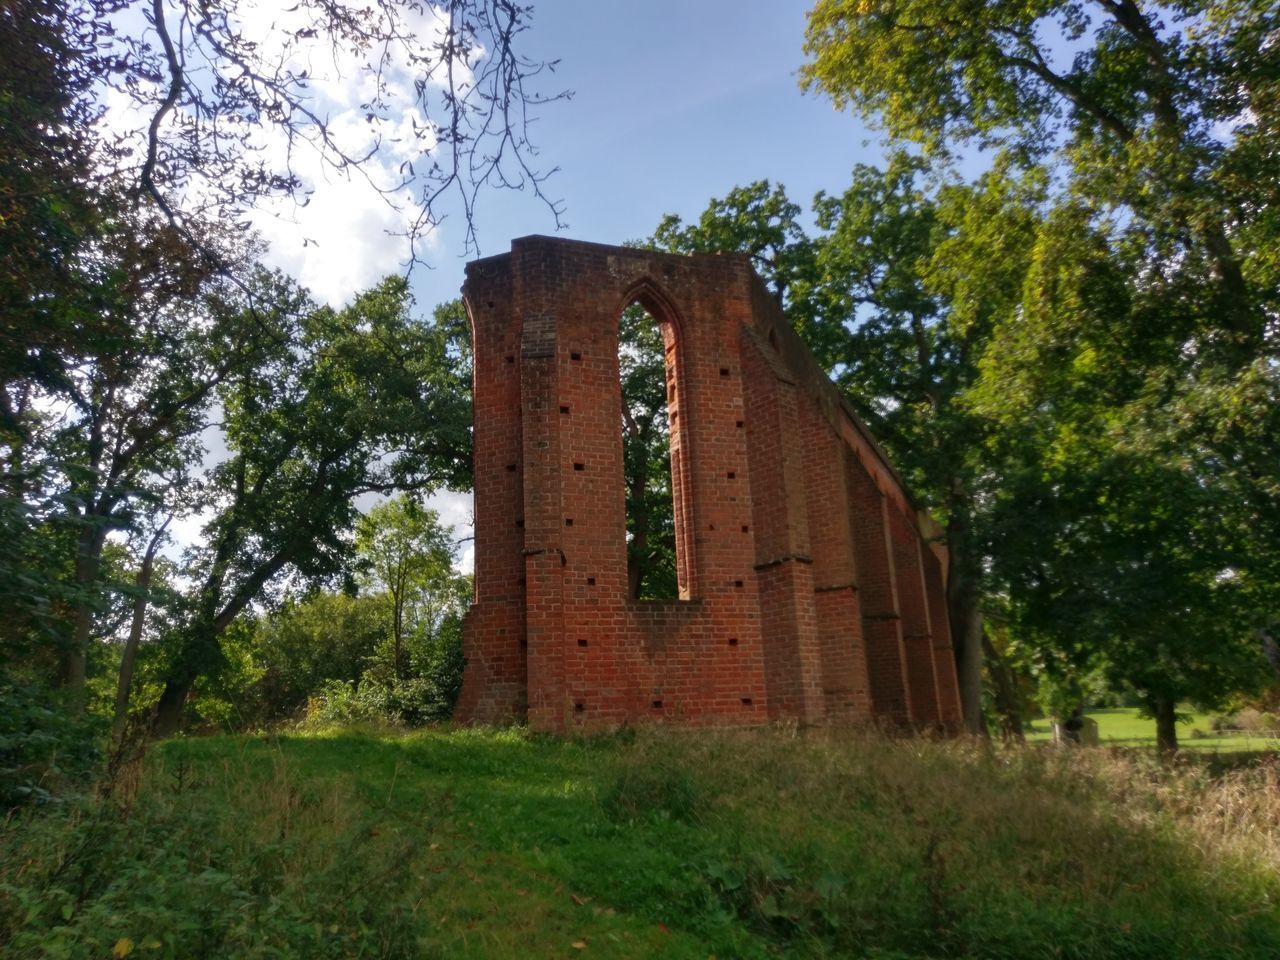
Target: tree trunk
1166 712
966 620
964 584
88 562
168 717
397 629
130 656
197 651
1006 691
969 666
639 547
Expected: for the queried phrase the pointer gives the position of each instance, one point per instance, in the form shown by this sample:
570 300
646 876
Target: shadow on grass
827 844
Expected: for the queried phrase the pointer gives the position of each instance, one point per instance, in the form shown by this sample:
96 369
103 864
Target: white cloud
348 231
456 510
345 236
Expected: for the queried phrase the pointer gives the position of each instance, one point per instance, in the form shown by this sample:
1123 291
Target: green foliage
1118 528
646 457
758 220
50 217
734 843
424 693
309 641
330 659
134 308
348 402
44 752
406 555
101 382
295 871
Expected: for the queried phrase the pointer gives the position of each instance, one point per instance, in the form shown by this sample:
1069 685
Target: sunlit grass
495 843
1123 726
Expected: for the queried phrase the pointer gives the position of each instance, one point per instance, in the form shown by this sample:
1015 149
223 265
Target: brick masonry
810 587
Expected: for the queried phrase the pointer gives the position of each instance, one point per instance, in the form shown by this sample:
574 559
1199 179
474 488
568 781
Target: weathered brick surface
806 588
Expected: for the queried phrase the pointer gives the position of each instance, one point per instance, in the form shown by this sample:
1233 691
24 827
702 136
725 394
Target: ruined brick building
810 587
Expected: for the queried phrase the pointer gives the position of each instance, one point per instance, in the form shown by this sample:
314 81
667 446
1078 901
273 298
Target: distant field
1122 726
653 843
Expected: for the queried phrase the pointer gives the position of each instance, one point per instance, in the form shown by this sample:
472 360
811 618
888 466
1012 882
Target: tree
1136 119
294 651
48 210
1119 543
202 110
758 220
408 556
106 368
130 431
137 624
143 134
349 402
1148 320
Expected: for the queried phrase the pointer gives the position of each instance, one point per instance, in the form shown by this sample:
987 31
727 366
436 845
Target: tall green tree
407 556
130 432
1117 533
304 644
1147 324
225 99
1152 112
349 402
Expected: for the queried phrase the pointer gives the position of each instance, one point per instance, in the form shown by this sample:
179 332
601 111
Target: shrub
1250 720
44 750
199 866
407 702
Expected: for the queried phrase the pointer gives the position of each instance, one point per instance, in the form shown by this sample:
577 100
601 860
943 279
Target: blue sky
674 103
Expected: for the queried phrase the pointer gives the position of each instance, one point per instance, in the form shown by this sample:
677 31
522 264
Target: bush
1248 719
201 866
45 751
407 702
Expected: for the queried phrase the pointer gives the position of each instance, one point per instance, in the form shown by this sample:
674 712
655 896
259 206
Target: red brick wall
793 532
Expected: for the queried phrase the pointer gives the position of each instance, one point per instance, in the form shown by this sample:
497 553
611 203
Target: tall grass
652 843
930 849
234 859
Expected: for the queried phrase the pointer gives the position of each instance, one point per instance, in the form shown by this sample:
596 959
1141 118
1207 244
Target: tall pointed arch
649 296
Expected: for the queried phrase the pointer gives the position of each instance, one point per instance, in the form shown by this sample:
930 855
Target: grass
1122 726
494 843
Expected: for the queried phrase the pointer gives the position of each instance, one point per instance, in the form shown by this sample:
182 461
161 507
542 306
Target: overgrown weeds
213 860
46 751
674 843
838 842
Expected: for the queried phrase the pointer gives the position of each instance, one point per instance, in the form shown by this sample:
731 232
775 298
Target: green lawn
765 843
1122 726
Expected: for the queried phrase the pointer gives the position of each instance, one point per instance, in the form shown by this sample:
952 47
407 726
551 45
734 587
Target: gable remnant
810 587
